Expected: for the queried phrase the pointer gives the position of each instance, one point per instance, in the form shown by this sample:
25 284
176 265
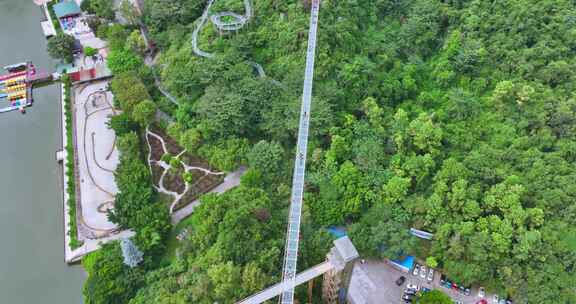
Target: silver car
423 272
430 277
416 270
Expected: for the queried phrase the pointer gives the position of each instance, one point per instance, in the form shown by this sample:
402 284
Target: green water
32 268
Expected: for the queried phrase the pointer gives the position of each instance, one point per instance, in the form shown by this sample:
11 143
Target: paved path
230 181
197 30
103 145
96 159
160 88
76 255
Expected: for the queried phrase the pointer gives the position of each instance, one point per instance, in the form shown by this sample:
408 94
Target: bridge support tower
336 281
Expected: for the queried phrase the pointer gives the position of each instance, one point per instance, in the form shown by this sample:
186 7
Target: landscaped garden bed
176 173
157 150
174 182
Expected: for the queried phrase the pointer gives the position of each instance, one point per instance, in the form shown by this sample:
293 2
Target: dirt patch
156 173
196 175
173 181
156 145
171 145
201 186
195 161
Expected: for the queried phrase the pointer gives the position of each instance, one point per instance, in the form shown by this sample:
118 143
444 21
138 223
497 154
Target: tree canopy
454 117
61 47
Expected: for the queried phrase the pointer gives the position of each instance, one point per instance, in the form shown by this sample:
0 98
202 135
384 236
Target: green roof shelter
66 9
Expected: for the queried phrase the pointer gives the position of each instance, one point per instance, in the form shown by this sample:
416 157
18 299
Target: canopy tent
67 9
403 264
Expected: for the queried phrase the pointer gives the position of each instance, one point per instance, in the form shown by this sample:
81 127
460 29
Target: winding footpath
158 84
222 26
240 22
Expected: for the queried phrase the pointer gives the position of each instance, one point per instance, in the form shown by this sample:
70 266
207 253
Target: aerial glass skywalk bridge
293 232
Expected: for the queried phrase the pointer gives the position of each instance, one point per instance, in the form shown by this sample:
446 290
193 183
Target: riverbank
31 217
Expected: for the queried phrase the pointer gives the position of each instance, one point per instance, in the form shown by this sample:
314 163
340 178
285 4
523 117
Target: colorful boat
17 67
12 75
15 79
15 87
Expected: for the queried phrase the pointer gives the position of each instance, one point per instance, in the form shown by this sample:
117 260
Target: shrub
187 176
167 158
90 52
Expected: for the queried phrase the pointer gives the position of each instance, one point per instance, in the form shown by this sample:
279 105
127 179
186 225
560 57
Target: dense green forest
456 117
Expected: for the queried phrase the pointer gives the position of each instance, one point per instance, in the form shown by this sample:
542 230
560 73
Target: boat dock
16 86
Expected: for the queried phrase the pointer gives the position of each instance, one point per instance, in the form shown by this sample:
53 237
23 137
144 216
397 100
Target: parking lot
373 282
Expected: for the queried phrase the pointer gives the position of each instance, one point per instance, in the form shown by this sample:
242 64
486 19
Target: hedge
71 186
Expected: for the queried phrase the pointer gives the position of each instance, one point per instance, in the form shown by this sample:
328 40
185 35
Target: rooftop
66 8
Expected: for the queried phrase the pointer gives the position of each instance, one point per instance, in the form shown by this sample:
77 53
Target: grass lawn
173 243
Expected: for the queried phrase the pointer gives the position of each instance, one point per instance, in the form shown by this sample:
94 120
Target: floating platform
16 86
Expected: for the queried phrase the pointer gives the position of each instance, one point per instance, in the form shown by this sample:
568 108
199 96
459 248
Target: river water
32 268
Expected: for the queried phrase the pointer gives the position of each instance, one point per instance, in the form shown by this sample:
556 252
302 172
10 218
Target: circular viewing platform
228 21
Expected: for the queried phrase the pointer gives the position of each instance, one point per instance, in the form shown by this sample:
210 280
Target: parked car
416 270
467 291
483 301
495 299
423 272
425 289
502 301
407 297
481 292
409 291
442 279
461 289
412 286
430 275
400 280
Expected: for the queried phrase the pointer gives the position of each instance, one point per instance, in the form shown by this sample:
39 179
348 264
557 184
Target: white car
495 299
416 270
412 286
423 272
430 277
481 292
